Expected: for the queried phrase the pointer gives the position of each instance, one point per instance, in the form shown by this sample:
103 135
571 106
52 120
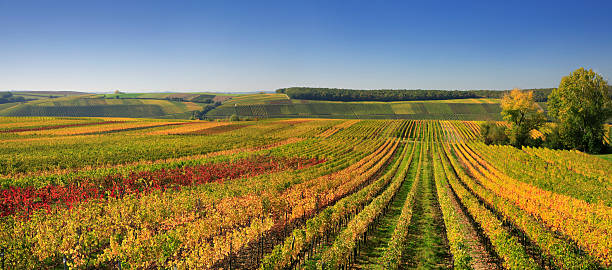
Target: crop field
192 97
37 95
115 193
261 105
93 106
257 99
277 105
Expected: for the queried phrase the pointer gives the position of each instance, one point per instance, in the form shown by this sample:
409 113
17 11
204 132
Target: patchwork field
35 95
114 193
258 99
93 106
263 105
193 97
273 106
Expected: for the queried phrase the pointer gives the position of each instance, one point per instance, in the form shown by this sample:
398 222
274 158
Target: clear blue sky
264 45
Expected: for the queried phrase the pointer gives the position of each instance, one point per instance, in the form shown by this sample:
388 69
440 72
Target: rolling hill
95 106
281 106
261 105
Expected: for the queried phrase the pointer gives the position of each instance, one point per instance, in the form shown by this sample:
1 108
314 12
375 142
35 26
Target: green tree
492 133
581 105
524 115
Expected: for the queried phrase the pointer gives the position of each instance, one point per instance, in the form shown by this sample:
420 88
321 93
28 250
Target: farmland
279 105
90 105
262 105
303 193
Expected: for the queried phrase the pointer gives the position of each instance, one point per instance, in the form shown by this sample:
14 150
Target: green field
93 106
271 106
607 157
35 95
260 105
195 97
253 99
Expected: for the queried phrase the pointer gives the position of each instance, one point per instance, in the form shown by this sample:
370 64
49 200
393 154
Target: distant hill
34 95
46 93
192 97
92 105
428 104
281 106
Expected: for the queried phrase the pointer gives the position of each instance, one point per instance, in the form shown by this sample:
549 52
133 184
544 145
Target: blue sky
140 46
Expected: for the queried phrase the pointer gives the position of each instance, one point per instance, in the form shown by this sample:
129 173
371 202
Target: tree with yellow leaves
524 115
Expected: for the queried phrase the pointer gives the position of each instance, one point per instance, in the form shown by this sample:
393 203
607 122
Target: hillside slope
93 106
280 106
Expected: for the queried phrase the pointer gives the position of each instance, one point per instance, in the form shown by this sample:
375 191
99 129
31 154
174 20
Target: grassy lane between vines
378 239
305 244
342 253
427 246
252 255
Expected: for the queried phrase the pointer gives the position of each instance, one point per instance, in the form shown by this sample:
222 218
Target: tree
553 138
491 133
581 105
524 115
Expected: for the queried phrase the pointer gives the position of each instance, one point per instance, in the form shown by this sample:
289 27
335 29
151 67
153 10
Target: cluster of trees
202 113
334 94
579 108
519 108
492 133
8 97
524 115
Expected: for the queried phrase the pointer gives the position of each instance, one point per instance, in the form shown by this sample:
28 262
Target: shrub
491 133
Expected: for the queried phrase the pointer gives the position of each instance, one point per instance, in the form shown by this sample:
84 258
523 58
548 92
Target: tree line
335 94
579 107
201 115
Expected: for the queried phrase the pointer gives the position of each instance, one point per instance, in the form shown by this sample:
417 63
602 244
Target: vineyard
119 193
254 105
267 107
89 105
